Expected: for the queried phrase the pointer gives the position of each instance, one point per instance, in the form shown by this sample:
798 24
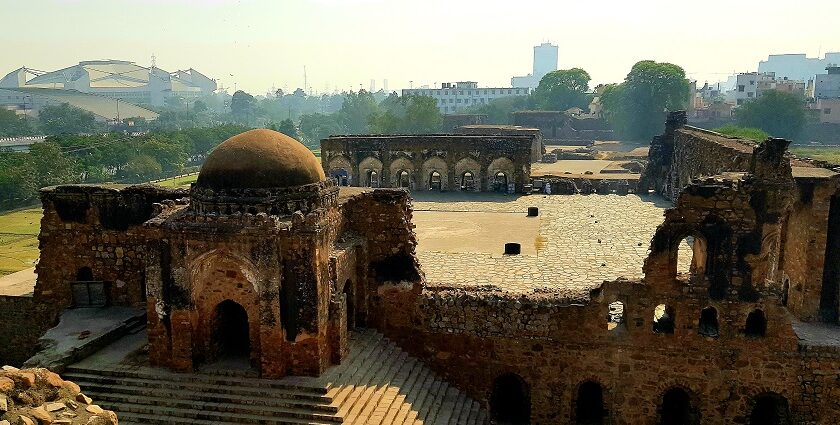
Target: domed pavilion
241 273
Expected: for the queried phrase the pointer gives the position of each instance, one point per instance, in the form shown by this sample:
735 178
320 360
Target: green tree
288 128
778 113
356 111
316 127
142 168
13 125
51 165
637 107
499 110
199 106
242 106
407 114
63 118
563 89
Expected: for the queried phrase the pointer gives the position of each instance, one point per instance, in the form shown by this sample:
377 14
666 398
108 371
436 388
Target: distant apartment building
545 61
454 97
827 86
797 66
116 79
746 87
829 110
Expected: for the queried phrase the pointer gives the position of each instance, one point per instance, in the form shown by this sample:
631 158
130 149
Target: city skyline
254 45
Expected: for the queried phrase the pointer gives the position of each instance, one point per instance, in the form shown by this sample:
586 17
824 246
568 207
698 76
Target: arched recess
756 324
430 167
589 404
215 277
370 172
469 168
399 166
340 169
510 400
769 409
499 165
229 338
664 319
615 317
708 325
677 408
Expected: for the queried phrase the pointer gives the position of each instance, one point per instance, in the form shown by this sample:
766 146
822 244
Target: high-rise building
545 61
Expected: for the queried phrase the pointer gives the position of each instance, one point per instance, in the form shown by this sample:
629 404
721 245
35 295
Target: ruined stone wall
472 338
99 228
353 158
19 329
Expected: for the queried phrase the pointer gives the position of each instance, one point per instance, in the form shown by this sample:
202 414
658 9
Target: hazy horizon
345 43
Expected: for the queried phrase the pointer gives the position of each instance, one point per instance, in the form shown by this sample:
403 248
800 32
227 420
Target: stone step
144 419
144 385
371 396
207 407
191 415
263 399
288 383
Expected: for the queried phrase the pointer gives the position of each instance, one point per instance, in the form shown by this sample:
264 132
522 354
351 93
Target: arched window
664 319
615 316
676 408
756 325
500 182
770 409
691 256
84 274
589 405
510 401
434 181
468 181
708 325
403 179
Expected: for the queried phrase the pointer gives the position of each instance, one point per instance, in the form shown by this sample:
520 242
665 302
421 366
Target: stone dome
260 159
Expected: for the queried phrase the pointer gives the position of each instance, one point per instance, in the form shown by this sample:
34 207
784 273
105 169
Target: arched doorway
435 181
500 182
230 332
468 181
664 319
676 408
589 405
373 179
403 179
341 176
770 409
510 401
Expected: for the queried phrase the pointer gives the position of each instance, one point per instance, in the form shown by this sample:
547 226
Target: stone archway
468 175
230 336
401 170
510 400
370 172
500 167
435 173
341 169
769 409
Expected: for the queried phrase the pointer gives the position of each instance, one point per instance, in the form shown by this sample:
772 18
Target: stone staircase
377 384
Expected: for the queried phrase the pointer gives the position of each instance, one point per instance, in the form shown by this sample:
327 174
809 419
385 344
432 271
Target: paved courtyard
582 240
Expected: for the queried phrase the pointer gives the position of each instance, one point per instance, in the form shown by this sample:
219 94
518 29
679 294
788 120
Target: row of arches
510 404
434 174
708 325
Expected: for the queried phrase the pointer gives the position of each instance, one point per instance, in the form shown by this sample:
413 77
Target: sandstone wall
19 329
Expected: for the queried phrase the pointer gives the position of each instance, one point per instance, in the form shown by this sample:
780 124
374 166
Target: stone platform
581 240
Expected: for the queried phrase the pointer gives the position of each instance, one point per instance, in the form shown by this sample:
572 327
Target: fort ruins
454 278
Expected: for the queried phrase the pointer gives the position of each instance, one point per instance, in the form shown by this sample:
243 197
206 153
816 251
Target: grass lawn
830 154
179 181
19 239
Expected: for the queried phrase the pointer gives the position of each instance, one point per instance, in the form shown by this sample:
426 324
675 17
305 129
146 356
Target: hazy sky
345 43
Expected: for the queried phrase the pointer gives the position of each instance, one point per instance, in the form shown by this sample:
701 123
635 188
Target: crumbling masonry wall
19 329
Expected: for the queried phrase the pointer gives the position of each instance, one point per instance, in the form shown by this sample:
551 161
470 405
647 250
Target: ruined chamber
241 273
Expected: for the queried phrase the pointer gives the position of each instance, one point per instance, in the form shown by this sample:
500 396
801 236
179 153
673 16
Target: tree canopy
13 125
407 115
63 118
778 113
637 107
563 89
